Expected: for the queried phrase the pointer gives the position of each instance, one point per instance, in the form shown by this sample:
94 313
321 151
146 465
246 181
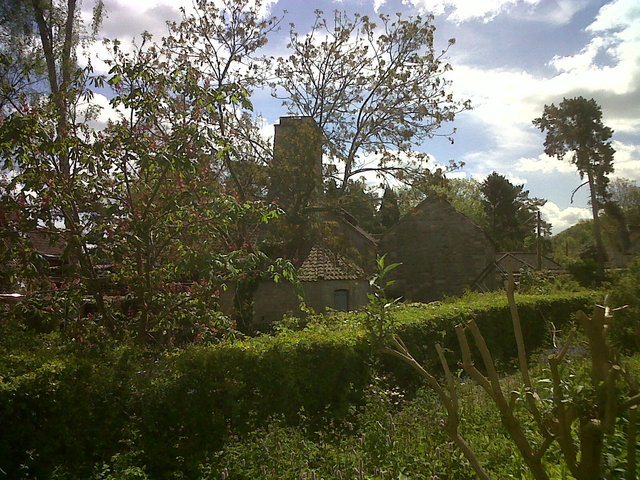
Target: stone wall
273 300
441 252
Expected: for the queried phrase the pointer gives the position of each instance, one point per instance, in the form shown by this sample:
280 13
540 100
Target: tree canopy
141 207
376 90
510 213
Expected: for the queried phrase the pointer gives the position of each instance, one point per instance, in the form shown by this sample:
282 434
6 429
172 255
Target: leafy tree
389 211
376 91
575 127
510 213
21 61
463 193
222 40
625 193
48 36
360 201
145 209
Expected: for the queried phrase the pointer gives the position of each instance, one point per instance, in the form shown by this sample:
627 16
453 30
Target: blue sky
511 57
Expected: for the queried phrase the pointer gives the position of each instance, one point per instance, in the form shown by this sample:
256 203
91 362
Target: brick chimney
296 170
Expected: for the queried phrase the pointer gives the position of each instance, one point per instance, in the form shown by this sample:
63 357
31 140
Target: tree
48 35
389 211
625 193
21 61
575 127
462 193
146 211
376 91
222 40
510 213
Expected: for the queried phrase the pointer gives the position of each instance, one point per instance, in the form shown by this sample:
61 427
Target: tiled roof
527 259
323 264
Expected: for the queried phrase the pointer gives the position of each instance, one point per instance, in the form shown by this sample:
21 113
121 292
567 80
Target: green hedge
76 409
65 410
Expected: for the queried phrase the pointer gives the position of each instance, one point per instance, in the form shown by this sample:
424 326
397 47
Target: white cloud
506 100
377 4
616 14
562 219
626 161
457 174
105 111
560 12
463 10
544 164
514 179
616 35
585 59
125 19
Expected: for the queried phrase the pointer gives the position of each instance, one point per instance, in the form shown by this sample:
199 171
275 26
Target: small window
341 300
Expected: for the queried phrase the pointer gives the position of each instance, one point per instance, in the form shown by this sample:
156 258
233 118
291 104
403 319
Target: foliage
385 439
62 403
626 193
625 329
576 242
139 208
377 319
185 404
544 282
374 90
389 211
21 62
578 419
359 200
511 214
222 42
570 243
462 193
584 270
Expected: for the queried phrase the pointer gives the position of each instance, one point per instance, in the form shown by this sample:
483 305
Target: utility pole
539 241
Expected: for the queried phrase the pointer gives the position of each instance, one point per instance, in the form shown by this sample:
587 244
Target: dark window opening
341 300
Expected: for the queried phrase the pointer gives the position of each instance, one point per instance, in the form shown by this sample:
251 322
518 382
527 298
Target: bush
585 271
625 330
62 405
61 409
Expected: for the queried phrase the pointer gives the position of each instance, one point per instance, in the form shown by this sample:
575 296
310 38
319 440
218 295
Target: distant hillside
578 240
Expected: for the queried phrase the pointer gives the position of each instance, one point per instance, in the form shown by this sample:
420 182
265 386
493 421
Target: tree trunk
59 73
597 229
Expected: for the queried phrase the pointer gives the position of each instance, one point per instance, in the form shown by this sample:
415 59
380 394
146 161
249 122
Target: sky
511 58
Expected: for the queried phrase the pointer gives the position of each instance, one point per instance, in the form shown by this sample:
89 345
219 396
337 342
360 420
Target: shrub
66 404
625 330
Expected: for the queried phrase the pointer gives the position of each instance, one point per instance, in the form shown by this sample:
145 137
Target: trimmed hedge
74 410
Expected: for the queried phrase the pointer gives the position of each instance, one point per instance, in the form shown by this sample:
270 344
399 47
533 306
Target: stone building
327 281
497 273
441 252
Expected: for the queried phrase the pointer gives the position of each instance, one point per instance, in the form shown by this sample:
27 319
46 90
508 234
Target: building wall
441 252
273 300
320 295
349 241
